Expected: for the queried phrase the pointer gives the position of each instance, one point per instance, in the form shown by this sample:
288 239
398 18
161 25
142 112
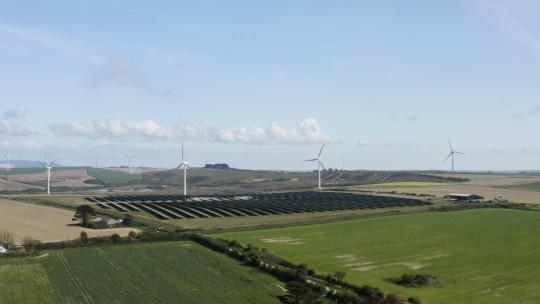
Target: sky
263 84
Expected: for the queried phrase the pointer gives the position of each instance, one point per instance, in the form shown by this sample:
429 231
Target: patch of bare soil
11 185
47 224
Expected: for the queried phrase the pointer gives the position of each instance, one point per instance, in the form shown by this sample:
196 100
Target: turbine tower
130 159
320 164
6 155
452 154
48 165
184 165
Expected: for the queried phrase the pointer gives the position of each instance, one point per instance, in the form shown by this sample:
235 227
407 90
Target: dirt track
47 224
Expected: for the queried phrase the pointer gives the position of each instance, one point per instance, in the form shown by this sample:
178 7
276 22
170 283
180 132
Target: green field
212 177
175 272
532 187
480 256
112 177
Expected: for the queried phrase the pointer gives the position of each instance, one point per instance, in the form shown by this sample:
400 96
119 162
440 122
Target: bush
115 238
84 237
414 300
415 280
30 245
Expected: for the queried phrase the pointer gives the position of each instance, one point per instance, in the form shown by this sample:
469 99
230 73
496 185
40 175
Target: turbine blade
52 163
459 152
182 150
313 159
322 165
320 152
450 144
179 166
450 154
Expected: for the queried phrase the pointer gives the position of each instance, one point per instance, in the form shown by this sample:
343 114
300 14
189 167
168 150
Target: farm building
463 197
2 249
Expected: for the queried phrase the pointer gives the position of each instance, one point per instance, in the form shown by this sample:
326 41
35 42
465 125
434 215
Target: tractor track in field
120 269
194 283
84 293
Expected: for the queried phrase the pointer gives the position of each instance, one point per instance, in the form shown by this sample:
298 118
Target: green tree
300 293
30 245
85 213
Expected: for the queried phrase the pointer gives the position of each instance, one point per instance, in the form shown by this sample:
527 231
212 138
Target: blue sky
262 84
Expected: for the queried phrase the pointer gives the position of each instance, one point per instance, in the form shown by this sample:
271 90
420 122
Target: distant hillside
23 164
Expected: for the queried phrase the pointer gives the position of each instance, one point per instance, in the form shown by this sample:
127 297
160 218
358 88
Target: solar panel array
183 207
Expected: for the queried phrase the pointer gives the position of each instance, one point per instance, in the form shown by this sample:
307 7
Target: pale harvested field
47 224
495 180
11 185
514 195
63 178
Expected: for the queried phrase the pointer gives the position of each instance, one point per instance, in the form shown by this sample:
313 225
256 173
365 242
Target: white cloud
10 126
307 132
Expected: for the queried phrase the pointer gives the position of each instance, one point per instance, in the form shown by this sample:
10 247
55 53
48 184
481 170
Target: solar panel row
183 207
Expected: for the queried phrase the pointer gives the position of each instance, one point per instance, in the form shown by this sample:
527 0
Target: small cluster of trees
85 214
415 280
304 285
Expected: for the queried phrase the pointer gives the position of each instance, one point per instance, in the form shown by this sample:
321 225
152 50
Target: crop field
185 207
47 224
479 256
174 272
530 187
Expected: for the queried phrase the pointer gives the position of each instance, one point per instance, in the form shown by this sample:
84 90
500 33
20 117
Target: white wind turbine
47 164
320 164
452 154
6 155
184 165
130 159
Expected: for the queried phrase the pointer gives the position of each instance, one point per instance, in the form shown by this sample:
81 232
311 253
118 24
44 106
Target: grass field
208 177
113 177
480 256
143 273
531 187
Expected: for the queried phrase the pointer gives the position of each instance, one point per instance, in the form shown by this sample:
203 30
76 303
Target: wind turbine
184 164
320 164
452 154
48 165
6 155
130 159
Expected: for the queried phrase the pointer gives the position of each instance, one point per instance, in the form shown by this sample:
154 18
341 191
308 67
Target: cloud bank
307 132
